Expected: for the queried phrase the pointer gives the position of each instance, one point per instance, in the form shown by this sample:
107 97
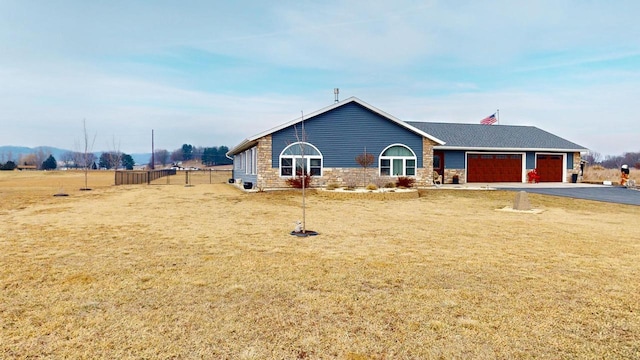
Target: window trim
247 156
294 158
403 158
252 167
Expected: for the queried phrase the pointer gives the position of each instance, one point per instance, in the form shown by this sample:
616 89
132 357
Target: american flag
489 120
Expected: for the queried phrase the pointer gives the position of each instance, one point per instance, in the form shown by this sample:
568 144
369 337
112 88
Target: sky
212 73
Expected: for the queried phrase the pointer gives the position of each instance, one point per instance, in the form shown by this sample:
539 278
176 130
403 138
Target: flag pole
498 116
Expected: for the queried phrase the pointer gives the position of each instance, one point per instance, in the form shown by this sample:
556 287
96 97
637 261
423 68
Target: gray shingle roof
499 137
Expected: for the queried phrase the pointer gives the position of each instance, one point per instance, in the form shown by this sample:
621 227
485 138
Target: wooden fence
172 177
132 177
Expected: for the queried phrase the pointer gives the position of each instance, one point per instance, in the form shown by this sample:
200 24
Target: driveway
612 194
606 193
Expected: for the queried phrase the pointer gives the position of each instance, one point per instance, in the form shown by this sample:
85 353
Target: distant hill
14 152
141 158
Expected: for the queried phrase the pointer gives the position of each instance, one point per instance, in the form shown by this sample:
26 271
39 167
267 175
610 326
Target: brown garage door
549 167
494 168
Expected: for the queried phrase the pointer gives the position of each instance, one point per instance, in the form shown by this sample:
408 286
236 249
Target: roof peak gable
248 142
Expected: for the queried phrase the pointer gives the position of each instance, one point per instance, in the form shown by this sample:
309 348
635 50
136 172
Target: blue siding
343 133
241 162
531 160
454 159
569 160
246 178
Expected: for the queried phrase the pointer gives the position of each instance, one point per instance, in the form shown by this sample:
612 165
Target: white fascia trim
465 148
244 145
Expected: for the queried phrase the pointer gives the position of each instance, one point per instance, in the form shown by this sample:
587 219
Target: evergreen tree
50 163
105 161
209 156
9 165
187 152
127 162
222 158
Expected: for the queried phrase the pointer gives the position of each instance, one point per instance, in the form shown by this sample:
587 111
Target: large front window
300 158
397 160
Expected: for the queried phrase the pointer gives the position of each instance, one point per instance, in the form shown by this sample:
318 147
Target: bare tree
301 227
161 157
115 155
67 158
41 156
365 160
29 159
177 155
88 146
593 157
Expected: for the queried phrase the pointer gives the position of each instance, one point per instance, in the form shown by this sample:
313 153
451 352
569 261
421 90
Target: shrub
405 182
390 185
380 181
332 186
296 182
350 183
372 187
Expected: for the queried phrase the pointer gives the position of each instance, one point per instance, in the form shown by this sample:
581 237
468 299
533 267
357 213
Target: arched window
397 160
292 157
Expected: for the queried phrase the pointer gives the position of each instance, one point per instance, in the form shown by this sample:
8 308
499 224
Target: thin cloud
216 72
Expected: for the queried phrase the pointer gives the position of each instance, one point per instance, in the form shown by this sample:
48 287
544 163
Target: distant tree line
36 160
72 160
614 161
116 160
107 160
208 156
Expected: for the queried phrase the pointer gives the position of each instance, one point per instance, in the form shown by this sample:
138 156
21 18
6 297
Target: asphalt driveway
612 194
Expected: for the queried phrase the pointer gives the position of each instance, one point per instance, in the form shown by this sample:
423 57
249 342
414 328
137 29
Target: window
397 160
306 157
254 160
247 160
239 161
247 155
436 162
286 166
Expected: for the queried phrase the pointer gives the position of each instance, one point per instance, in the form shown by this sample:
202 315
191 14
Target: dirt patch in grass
212 272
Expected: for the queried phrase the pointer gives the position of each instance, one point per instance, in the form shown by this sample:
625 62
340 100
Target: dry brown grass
596 174
211 272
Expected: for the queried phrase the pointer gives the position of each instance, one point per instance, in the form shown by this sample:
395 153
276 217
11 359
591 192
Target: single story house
326 143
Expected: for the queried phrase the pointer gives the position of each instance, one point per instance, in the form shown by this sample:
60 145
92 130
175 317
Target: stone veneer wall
576 166
269 178
424 175
267 175
448 176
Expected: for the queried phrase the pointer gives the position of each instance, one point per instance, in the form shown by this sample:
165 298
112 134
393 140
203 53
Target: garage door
494 168
549 167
